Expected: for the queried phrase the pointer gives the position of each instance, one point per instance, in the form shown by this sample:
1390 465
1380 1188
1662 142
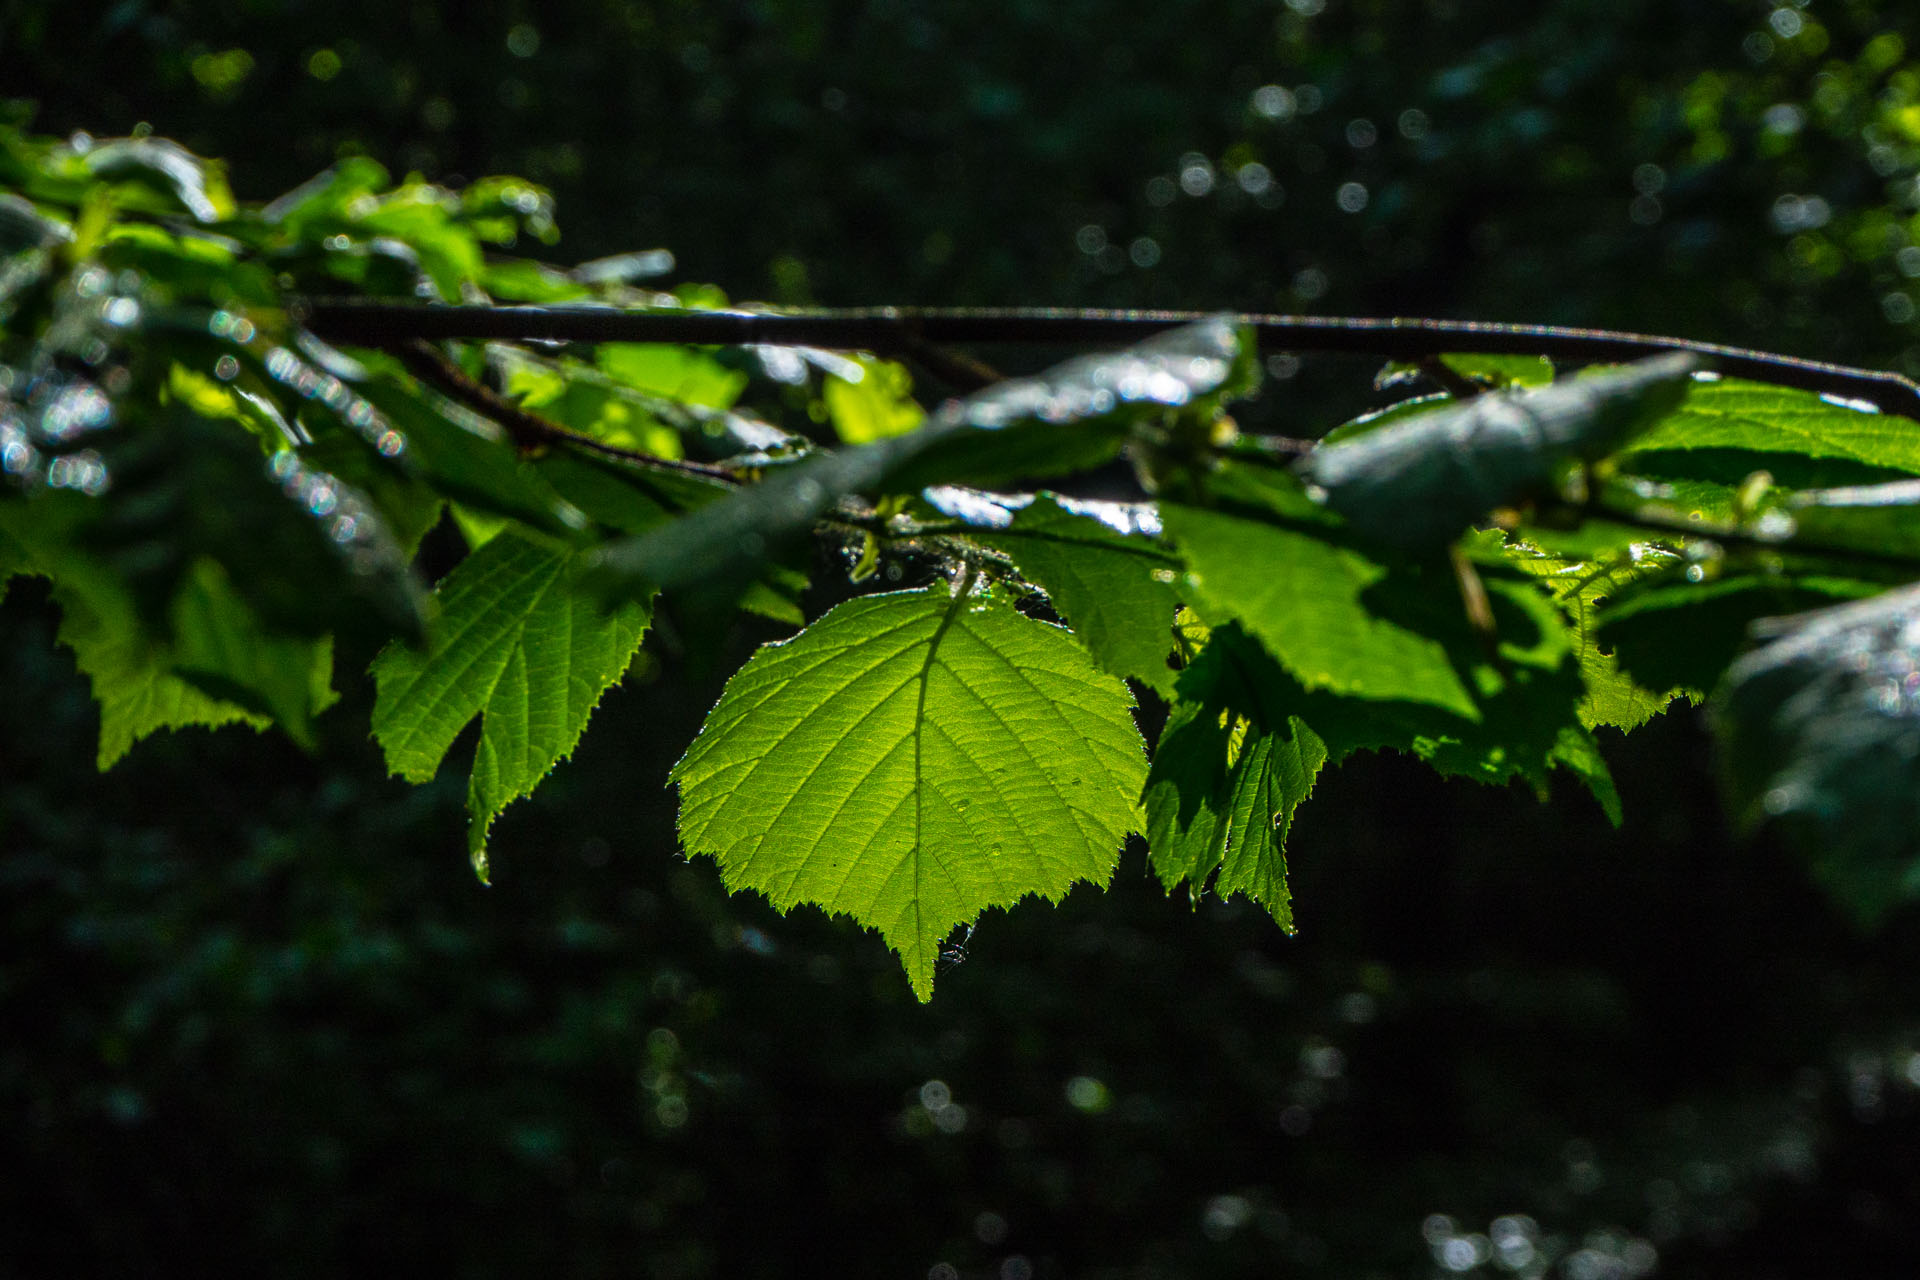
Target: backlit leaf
1326 610
1230 768
515 645
911 760
1114 588
879 404
1580 587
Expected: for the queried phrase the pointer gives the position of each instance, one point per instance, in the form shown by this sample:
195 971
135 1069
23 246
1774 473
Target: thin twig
896 330
527 430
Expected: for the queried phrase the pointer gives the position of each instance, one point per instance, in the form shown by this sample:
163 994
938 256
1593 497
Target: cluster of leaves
226 504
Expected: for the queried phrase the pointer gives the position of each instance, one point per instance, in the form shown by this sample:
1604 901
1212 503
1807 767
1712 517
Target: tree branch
904 331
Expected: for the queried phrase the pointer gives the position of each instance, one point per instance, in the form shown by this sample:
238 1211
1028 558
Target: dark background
255 1013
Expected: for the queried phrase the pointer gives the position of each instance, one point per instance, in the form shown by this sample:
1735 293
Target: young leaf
1820 726
515 645
1230 769
912 759
1421 482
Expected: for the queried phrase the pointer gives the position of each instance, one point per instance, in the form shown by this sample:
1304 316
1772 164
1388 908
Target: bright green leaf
1229 771
1324 609
685 374
515 645
1731 413
877 405
1114 588
912 759
1580 587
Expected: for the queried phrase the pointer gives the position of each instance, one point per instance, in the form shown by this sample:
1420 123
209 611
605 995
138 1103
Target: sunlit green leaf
1230 768
911 760
1331 613
685 374
165 168
876 405
1581 587
1731 413
1106 574
515 645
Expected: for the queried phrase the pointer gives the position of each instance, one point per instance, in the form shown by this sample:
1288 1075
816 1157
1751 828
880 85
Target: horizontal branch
906 330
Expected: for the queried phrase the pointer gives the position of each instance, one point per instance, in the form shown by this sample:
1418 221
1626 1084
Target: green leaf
1328 611
518 280
1820 728
137 693
306 552
1421 482
875 406
1580 587
1525 706
685 374
1705 485
1016 428
1730 413
220 647
912 759
166 169
1232 765
222 668
1114 588
1077 415
583 399
1674 633
515 645
1876 518
1502 370
467 462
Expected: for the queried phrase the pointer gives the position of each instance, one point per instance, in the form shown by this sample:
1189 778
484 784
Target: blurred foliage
259 1016
1723 168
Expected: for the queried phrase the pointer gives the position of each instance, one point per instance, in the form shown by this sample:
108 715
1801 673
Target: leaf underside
912 759
516 646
